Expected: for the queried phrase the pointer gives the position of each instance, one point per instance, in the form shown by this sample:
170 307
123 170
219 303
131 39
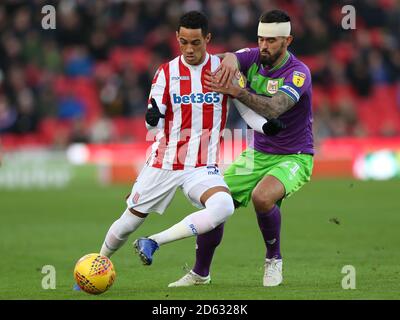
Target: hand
153 114
212 84
227 70
273 126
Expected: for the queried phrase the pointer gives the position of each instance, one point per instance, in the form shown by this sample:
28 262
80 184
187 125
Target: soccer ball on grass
94 273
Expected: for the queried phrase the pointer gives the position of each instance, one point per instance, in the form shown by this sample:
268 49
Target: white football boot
273 272
190 279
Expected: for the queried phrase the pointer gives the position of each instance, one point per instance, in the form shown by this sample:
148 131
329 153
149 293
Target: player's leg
152 192
286 174
265 196
219 207
120 230
267 192
200 274
241 177
207 191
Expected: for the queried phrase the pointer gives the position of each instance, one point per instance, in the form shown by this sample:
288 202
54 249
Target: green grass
56 227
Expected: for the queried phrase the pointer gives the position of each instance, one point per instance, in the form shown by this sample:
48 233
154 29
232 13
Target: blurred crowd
117 46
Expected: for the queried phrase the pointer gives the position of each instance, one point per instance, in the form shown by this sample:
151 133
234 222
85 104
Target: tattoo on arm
265 106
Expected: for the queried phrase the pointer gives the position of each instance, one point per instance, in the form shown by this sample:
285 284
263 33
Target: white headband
274 29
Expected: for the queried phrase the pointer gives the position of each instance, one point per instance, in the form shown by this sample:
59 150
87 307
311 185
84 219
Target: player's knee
221 203
261 201
127 223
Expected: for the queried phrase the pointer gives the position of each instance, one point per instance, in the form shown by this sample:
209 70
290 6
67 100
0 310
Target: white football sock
119 232
219 207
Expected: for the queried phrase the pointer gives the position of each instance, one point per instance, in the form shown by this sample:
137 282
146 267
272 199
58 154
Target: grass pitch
325 226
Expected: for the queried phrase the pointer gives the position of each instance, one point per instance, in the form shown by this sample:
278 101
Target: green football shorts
242 176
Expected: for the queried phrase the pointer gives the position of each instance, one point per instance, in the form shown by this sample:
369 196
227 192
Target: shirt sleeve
160 94
246 57
297 82
159 90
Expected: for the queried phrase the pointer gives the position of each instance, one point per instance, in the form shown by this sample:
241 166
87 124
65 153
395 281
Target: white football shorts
155 188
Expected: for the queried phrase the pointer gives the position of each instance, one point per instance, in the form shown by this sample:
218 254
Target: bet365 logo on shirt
209 97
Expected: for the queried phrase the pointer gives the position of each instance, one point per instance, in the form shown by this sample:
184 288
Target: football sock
205 246
218 208
270 226
119 232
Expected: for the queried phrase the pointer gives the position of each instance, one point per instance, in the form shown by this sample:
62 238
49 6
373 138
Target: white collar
198 66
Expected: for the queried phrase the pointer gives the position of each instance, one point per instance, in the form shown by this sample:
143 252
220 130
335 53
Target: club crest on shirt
242 80
272 86
298 78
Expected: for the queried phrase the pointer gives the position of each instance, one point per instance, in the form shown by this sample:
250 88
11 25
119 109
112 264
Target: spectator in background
70 106
27 118
79 132
111 96
133 95
8 115
50 57
132 32
71 30
79 63
377 67
101 131
359 77
99 45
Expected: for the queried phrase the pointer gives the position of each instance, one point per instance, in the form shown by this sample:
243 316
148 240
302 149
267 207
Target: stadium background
72 138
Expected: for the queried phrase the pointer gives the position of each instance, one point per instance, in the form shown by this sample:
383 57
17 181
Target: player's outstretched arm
258 123
253 120
270 108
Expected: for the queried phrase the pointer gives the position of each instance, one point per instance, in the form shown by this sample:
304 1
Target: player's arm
257 122
270 108
228 68
156 107
153 114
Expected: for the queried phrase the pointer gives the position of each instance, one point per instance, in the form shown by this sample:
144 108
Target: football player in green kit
278 87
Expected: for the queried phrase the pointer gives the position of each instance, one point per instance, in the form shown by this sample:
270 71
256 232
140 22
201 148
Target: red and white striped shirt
194 117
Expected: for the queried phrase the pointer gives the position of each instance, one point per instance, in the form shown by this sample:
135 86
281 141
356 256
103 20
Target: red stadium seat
84 89
50 127
339 92
139 126
130 129
8 140
367 115
11 141
214 49
380 111
319 95
314 63
139 58
103 70
343 52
